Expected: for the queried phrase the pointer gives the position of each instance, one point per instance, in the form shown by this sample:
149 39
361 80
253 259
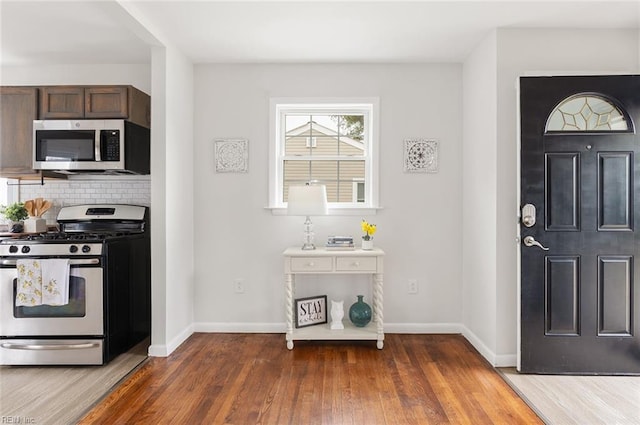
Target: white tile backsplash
134 190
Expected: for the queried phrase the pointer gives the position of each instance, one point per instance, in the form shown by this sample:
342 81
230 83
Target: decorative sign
232 155
420 156
310 311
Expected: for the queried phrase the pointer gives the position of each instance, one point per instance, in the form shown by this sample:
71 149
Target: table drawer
311 264
356 264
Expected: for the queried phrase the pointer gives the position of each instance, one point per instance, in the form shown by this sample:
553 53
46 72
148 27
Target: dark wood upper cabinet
18 109
63 102
106 102
96 102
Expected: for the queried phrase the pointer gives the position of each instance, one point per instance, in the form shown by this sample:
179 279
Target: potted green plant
15 213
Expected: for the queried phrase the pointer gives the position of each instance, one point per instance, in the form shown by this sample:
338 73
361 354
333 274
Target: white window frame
369 107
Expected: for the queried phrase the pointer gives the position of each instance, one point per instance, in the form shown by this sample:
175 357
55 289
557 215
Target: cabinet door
106 102
18 109
62 102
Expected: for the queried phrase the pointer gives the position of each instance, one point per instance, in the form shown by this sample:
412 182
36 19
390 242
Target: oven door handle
72 262
14 346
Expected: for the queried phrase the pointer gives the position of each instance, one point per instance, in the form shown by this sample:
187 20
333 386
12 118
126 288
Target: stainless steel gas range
107 251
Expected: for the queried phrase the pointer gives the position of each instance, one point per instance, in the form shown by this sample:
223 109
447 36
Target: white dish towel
44 281
55 281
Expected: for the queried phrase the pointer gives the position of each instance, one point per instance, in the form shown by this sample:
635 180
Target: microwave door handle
96 145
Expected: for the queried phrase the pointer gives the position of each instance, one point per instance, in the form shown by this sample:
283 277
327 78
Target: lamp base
308 235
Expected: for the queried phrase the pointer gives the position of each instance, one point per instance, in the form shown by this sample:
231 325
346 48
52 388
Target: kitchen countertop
8 235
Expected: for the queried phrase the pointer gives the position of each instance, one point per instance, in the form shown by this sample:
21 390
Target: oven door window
65 145
75 308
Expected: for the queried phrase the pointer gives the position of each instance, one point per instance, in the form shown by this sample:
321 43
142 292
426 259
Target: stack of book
340 242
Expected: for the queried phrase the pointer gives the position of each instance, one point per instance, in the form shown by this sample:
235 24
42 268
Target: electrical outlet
238 286
412 286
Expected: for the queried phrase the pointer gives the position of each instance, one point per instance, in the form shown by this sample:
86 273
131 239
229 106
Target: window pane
298 145
339 177
297 171
351 126
332 191
295 123
322 125
327 145
324 171
352 170
586 113
313 138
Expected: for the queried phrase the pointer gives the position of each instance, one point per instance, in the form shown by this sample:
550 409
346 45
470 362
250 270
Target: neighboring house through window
329 143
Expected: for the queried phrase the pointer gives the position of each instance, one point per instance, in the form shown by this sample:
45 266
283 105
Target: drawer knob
356 264
311 264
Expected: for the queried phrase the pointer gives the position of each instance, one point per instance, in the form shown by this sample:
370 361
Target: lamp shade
307 200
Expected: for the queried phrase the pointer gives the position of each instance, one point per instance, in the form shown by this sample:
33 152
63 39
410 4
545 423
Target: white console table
323 261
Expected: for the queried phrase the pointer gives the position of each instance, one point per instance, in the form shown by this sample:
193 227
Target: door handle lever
531 241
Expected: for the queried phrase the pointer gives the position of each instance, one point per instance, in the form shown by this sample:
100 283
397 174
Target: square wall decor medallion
420 156
232 155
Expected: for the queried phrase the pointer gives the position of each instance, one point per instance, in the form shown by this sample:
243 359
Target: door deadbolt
529 215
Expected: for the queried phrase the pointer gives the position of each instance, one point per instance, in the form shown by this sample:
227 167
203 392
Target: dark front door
580 268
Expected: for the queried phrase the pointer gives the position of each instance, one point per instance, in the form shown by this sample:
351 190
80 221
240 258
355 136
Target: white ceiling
89 32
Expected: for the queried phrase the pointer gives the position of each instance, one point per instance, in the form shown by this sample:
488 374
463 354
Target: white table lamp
307 200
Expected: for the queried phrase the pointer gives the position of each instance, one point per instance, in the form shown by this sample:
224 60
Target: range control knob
86 249
13 248
73 249
25 249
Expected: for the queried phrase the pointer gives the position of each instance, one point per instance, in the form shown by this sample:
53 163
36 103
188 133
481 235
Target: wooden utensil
38 205
28 205
44 208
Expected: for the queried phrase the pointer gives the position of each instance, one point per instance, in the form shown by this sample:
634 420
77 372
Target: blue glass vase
360 313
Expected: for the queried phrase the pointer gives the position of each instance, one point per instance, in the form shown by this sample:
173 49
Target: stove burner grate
67 236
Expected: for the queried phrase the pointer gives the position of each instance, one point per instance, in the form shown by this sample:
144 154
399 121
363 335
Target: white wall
479 224
172 288
137 75
179 207
419 226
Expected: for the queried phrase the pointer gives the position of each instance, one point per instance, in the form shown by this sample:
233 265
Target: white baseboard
238 327
506 360
503 360
393 328
159 350
423 328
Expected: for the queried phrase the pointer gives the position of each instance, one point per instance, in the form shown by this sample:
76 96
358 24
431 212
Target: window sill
334 211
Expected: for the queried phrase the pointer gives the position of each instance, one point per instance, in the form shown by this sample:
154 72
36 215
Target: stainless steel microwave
72 146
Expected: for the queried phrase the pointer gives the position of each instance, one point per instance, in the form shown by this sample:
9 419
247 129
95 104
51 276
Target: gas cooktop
61 237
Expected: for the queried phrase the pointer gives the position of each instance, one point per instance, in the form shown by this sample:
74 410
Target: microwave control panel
110 145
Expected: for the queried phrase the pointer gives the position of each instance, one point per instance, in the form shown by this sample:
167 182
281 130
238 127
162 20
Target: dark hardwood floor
253 379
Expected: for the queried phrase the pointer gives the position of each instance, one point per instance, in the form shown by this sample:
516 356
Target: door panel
579 298
615 191
562 194
562 295
615 281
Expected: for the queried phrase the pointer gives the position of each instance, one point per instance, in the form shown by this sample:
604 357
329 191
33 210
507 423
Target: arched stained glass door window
587 112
